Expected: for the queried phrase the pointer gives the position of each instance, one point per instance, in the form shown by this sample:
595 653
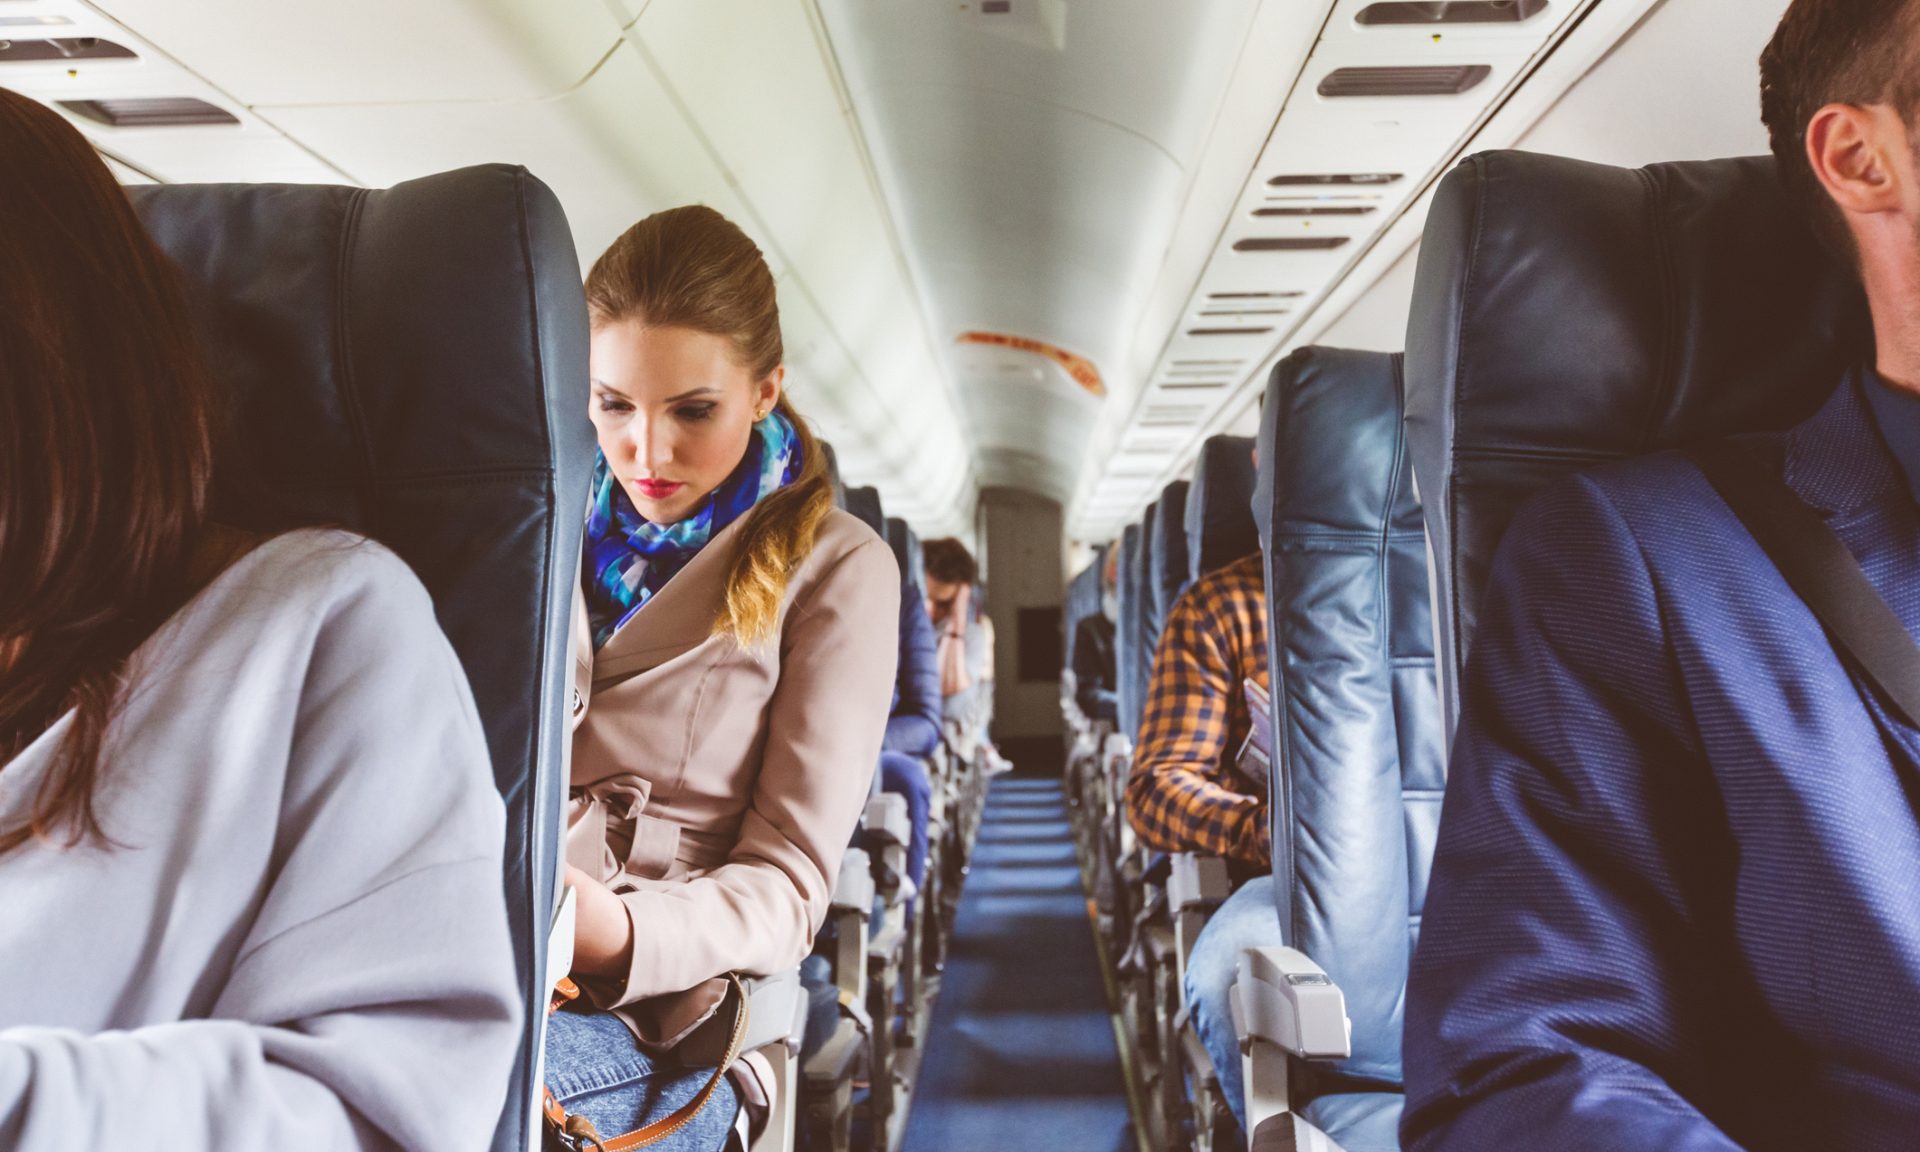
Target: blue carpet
1021 1050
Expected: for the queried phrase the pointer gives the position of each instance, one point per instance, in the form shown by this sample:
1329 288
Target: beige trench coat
715 788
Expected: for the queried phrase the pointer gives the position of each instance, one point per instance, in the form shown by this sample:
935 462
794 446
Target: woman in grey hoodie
250 847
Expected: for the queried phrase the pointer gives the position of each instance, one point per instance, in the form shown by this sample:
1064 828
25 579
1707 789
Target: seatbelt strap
1820 570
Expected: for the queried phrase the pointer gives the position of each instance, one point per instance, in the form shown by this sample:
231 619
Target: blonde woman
735 658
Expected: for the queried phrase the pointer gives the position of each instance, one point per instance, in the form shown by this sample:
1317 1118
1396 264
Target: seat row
350 328
1565 314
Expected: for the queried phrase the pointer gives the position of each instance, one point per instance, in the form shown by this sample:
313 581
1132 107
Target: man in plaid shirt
1185 792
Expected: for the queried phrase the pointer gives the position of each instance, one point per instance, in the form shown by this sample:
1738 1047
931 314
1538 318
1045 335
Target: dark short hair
949 561
1834 52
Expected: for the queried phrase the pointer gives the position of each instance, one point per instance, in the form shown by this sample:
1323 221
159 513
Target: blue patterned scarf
630 558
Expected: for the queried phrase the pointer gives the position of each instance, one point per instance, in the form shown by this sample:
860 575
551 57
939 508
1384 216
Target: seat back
1220 526
1082 601
864 502
1168 570
833 474
1126 638
1566 314
1358 766
906 550
1139 620
412 364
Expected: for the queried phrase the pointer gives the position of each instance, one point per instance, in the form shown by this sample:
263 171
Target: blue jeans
1246 920
906 776
596 1070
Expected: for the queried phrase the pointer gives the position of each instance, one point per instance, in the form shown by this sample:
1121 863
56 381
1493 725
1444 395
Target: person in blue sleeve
1675 902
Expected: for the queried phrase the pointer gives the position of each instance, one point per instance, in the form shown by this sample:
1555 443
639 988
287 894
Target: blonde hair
693 268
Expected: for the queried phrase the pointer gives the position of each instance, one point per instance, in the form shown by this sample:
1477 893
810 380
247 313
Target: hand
602 930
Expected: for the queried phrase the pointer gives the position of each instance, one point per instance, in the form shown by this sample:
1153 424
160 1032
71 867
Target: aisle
1022 1050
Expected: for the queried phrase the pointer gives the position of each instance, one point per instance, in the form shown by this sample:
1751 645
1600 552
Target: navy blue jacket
913 728
1675 902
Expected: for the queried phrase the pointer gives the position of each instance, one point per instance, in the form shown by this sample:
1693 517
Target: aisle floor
1022 1053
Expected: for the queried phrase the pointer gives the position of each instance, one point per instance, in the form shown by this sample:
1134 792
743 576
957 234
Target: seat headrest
412 364
906 551
1127 589
864 502
1331 450
1220 526
1170 570
1082 600
1567 313
833 475
349 327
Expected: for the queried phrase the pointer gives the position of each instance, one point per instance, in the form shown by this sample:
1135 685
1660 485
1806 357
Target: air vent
1342 180
161 112
1445 80
1191 385
1363 210
1245 312
1222 363
1228 331
75 48
995 7
1451 12
1291 243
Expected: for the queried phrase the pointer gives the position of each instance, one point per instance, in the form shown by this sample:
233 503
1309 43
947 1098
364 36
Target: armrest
832 1065
560 939
774 1003
1290 1002
1197 882
888 820
853 889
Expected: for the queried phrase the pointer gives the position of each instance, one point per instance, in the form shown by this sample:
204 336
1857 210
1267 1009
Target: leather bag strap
581 1131
1820 570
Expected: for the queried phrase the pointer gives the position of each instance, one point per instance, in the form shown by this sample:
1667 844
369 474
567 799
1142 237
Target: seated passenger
739 635
1676 897
966 643
1185 793
1094 677
250 842
913 728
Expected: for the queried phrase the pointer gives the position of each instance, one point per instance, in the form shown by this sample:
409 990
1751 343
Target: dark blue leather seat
1601 313
1137 621
412 364
1126 637
905 543
1168 572
864 502
1358 767
1082 600
1220 526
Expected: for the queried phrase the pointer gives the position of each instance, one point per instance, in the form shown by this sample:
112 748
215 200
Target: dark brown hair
693 268
948 560
105 452
1825 52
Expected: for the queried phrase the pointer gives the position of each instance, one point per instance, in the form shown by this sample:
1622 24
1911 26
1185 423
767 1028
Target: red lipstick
657 489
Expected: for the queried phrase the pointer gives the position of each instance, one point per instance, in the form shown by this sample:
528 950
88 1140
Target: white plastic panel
379 51
1414 138
1037 163
250 150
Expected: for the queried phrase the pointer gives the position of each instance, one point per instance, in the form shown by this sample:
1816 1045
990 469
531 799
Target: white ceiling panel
379 51
1037 163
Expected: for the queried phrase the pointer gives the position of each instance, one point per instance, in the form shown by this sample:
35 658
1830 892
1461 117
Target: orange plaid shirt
1184 792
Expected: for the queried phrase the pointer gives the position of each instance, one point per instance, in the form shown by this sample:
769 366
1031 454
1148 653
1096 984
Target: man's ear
1851 149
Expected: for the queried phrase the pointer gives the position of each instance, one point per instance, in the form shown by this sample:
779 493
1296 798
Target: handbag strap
1820 570
581 1130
